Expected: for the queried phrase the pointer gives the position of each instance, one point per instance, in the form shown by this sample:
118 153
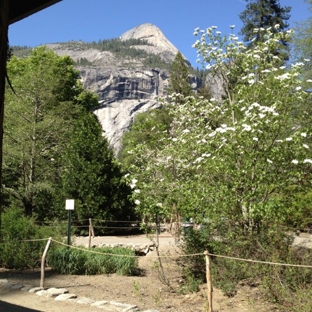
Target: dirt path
146 291
164 239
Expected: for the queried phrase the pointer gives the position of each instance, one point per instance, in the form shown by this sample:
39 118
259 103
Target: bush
194 267
197 242
102 261
283 285
19 248
286 285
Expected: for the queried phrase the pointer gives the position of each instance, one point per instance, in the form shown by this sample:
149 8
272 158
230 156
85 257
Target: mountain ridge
128 81
155 49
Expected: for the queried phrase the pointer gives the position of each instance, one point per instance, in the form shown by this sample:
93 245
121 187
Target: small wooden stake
89 245
91 231
209 283
43 261
91 227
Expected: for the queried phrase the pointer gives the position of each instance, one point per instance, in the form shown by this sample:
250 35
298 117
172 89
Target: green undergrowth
106 260
286 286
22 241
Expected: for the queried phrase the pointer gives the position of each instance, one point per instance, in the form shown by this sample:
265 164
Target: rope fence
83 220
191 255
134 224
206 254
261 262
165 256
23 240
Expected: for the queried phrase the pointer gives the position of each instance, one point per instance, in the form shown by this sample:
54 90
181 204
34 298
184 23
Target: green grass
90 262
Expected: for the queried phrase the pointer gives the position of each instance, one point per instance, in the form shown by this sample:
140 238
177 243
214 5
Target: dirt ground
146 290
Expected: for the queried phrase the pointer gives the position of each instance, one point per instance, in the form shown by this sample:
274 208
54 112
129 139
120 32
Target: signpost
70 205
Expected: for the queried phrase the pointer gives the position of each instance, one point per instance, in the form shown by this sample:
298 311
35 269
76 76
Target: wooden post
157 230
209 283
170 225
91 231
89 244
91 226
43 261
177 225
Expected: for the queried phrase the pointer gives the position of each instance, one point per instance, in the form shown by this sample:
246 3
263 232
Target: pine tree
302 52
302 43
263 14
92 176
179 81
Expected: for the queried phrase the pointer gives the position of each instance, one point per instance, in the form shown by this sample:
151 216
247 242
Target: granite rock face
125 87
152 34
123 93
118 84
216 86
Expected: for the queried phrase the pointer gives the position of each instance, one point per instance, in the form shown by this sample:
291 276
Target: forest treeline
122 49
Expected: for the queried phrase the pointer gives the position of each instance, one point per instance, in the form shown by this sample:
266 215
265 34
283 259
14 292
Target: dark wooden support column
4 24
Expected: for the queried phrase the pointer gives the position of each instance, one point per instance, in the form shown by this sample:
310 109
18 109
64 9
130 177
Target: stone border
62 294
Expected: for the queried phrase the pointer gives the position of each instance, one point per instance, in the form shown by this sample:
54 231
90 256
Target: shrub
102 261
283 285
19 247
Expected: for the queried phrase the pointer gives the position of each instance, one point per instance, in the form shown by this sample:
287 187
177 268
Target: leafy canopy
236 167
54 147
36 127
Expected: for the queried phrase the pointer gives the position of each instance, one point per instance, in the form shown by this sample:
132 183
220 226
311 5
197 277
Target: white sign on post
70 204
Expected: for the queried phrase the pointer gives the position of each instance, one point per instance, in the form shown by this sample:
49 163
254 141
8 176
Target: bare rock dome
153 35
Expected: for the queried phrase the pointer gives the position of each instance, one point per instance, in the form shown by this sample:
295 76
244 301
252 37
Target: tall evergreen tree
263 14
53 147
179 80
302 52
93 177
302 43
37 125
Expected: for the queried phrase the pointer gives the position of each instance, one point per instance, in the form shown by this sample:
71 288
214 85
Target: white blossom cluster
243 137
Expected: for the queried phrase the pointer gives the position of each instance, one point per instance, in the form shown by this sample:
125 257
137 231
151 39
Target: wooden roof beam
19 9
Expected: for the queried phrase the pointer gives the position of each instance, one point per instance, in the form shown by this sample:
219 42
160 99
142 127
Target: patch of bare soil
145 290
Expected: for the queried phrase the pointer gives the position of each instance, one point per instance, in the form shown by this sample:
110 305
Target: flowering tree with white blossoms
249 147
232 158
157 181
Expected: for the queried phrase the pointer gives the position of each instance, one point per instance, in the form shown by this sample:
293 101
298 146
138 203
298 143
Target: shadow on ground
8 307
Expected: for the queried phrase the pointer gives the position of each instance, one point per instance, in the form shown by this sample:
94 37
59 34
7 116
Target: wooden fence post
209 283
91 231
43 261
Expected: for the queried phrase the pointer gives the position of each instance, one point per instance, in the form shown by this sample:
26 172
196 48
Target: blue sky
91 20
